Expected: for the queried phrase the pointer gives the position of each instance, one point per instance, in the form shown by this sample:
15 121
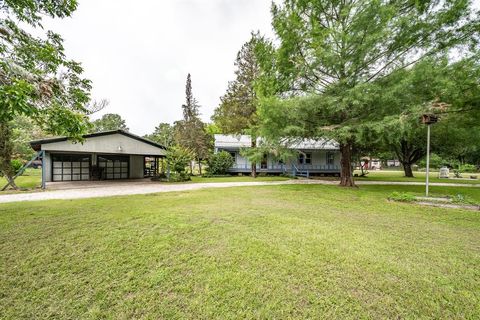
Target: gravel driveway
131 188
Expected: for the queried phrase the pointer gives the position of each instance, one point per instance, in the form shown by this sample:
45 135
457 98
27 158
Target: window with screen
305 158
330 158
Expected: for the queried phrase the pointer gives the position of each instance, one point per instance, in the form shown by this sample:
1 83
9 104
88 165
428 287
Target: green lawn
386 175
31 178
277 252
197 179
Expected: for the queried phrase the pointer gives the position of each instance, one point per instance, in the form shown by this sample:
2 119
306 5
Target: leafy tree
24 130
457 137
410 93
163 134
190 132
237 112
36 79
178 158
332 51
219 163
108 122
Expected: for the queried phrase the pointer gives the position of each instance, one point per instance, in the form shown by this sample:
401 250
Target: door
264 162
70 167
113 167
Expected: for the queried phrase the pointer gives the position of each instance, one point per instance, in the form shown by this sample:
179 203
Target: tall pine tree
190 132
237 112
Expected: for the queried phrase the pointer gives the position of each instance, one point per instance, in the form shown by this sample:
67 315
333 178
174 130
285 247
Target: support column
44 171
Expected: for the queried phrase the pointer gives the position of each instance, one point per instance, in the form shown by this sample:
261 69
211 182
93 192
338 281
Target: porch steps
300 173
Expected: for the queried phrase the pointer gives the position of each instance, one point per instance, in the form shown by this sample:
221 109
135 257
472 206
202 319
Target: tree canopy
37 80
109 121
163 134
237 112
332 56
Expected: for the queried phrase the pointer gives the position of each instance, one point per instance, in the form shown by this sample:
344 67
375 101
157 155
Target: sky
138 53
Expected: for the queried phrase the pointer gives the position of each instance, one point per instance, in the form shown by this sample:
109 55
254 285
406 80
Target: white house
313 157
106 155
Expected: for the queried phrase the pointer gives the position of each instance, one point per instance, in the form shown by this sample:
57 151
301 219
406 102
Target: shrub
179 177
467 168
401 196
178 159
219 163
436 162
16 166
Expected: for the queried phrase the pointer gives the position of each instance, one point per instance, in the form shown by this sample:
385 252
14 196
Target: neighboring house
317 157
377 164
109 155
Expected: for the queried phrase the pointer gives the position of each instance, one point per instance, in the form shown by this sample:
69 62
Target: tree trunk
199 167
254 170
346 176
254 164
6 150
408 154
407 169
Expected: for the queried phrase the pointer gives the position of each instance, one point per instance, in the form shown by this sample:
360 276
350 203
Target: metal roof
245 141
36 144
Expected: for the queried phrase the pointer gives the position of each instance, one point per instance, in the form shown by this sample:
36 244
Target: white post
428 160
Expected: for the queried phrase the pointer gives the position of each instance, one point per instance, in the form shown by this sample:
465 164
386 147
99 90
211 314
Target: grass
387 175
198 179
290 251
30 179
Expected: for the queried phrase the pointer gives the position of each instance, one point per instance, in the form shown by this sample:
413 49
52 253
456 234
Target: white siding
242 161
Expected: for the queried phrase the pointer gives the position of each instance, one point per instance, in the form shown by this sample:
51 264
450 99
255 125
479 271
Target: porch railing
286 167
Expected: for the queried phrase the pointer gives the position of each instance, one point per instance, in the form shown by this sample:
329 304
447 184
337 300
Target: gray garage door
114 167
70 167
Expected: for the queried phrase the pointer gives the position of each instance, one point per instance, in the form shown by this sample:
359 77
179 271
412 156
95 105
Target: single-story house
108 155
317 157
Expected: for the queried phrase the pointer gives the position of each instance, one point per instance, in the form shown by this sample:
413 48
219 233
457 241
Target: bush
178 159
401 196
179 177
468 168
219 163
16 166
436 162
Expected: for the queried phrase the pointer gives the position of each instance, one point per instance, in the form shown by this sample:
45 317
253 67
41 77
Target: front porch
286 168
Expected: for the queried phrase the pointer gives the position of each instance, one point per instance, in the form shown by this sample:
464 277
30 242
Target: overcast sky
138 53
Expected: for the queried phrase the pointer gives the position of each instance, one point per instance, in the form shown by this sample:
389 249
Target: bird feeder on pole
428 119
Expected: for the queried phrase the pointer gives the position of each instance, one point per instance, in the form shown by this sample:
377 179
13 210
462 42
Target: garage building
109 155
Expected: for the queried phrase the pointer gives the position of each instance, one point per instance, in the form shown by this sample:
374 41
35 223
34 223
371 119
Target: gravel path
132 188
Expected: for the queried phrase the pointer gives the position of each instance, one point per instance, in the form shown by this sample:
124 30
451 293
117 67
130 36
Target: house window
305 158
330 158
